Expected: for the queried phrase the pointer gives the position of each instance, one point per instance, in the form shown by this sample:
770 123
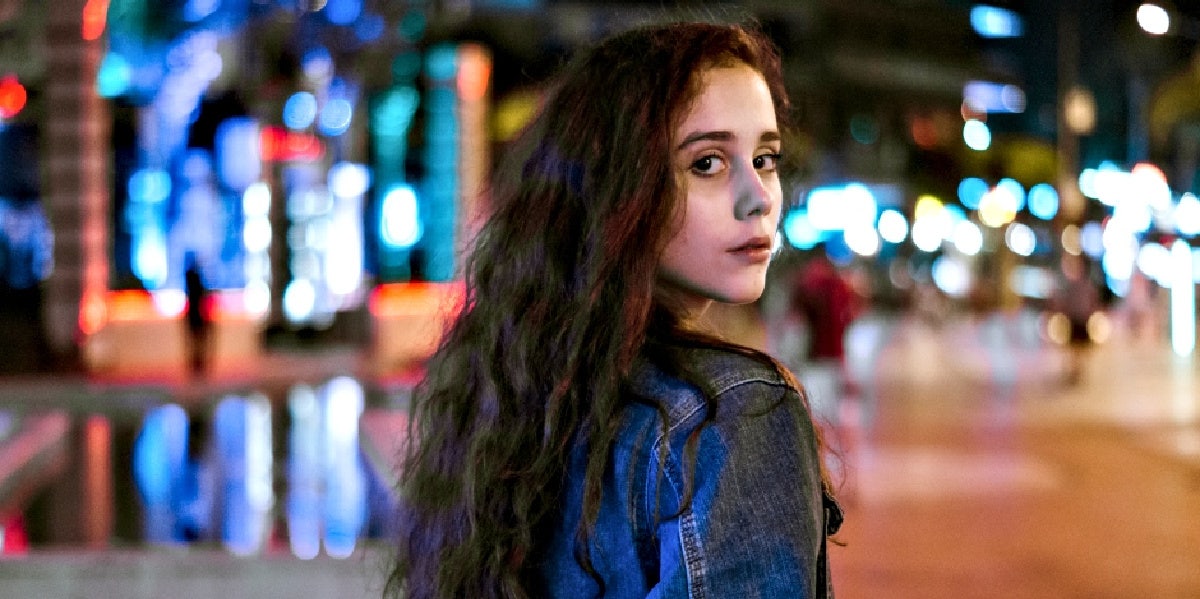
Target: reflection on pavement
216 482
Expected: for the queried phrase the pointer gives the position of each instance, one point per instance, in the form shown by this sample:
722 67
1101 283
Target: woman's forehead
723 93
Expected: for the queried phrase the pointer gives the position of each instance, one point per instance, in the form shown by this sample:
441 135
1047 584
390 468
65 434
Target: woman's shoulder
723 370
713 372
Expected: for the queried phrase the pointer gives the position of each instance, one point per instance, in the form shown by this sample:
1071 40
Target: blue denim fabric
755 526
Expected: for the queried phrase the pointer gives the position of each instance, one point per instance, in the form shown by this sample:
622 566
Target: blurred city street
298 181
971 469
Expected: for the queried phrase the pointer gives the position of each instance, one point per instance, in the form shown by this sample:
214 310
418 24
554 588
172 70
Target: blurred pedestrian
828 305
199 325
1140 306
1078 300
578 433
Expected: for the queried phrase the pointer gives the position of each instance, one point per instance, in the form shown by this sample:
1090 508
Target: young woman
579 434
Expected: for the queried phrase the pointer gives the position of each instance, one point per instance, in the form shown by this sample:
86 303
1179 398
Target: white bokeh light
968 239
893 227
1020 239
1153 19
862 240
976 135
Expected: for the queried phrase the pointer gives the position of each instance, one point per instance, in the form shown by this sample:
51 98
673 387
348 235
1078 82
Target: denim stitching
689 539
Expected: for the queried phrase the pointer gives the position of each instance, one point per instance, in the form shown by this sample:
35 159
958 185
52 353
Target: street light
1153 19
1157 20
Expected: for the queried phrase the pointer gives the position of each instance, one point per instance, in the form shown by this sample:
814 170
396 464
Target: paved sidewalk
983 475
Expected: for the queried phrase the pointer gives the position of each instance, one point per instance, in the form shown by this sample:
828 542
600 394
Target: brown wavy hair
560 299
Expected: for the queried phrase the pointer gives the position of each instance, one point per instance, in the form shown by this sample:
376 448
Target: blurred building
323 159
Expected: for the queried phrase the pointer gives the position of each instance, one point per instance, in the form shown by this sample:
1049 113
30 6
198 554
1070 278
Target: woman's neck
688 311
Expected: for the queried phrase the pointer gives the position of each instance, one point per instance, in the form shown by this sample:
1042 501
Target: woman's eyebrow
697 136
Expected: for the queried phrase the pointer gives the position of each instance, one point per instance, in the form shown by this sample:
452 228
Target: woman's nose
750 194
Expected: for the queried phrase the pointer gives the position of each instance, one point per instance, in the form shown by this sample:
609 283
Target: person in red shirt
828 305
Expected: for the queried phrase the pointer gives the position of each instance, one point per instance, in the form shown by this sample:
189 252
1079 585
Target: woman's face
725 154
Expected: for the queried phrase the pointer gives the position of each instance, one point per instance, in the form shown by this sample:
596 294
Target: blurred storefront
303 157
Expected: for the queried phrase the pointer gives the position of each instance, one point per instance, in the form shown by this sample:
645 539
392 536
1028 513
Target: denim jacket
757 519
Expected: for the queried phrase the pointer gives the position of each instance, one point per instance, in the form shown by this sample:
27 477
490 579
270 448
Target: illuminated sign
280 145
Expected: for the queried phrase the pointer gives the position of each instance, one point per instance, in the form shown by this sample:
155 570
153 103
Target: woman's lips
757 249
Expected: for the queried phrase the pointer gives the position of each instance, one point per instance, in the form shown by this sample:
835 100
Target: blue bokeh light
336 117
800 231
996 22
114 76
343 12
400 225
1043 201
370 28
300 110
971 191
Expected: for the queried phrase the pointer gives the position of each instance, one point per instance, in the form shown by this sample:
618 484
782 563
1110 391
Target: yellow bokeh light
927 206
1071 240
996 208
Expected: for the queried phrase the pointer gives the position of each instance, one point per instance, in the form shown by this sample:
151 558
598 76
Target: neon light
393 300
988 96
95 17
474 71
131 305
281 145
400 225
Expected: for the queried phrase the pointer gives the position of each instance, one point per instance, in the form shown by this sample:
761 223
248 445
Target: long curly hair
560 299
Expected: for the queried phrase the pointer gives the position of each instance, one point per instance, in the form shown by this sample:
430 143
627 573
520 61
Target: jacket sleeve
741 512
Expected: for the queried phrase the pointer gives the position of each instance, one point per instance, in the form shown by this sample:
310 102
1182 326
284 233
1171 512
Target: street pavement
972 469
968 467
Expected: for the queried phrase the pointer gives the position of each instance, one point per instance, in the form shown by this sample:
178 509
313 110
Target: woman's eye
767 162
708 165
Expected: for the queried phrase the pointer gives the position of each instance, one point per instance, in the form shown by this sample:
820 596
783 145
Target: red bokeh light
12 97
